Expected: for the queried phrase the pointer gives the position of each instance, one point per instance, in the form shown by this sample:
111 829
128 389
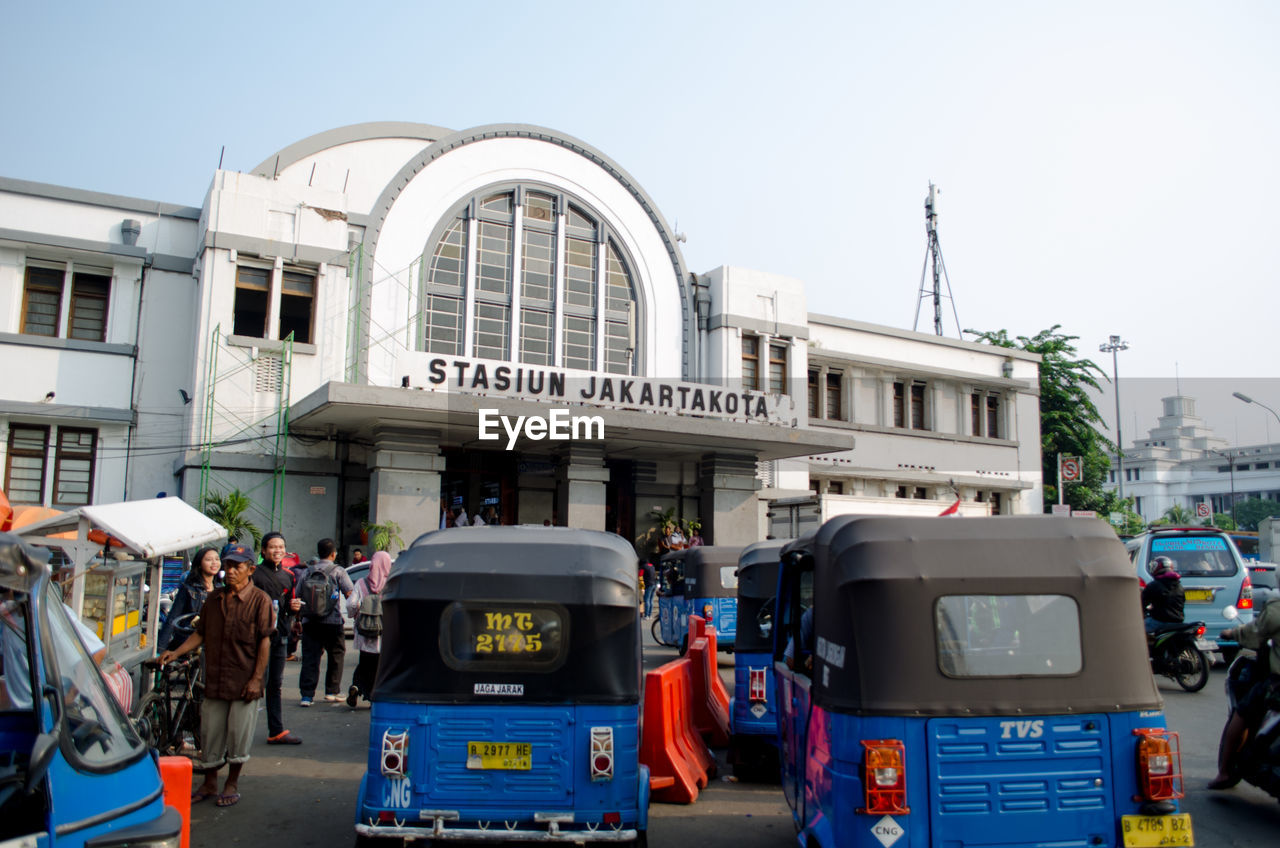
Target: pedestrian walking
277 581
235 629
365 610
322 586
201 579
650 587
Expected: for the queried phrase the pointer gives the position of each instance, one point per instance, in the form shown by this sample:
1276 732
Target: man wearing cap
235 629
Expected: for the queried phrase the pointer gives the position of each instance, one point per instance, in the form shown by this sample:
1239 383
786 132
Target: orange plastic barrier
680 764
176 774
717 690
710 717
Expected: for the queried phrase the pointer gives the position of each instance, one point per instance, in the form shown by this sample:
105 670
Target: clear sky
1110 167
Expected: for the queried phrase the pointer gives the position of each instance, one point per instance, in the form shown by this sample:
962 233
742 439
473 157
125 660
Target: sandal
228 800
203 795
285 737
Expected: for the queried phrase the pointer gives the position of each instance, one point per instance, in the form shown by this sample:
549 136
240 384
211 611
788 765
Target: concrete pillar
729 513
404 483
580 486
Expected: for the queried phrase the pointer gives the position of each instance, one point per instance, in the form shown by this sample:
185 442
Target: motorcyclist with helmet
1163 600
1250 708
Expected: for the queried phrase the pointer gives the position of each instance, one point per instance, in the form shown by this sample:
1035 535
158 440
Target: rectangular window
921 493
778 368
297 305
975 414
750 362
580 273
1008 635
42 301
579 343
995 503
535 336
89 293
73 467
835 396
617 347
493 258
835 488
993 417
493 331
814 398
538 266
253 289
917 407
24 470
443 325
899 404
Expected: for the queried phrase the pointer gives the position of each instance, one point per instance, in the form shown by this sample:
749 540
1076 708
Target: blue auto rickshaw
970 681
753 741
698 581
73 771
507 699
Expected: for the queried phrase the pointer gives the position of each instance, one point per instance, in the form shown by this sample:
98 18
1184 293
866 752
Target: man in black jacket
1162 598
277 581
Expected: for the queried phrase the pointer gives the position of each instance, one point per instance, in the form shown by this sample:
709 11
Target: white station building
387 319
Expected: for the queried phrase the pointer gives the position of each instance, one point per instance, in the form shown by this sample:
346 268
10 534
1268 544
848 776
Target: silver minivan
1213 575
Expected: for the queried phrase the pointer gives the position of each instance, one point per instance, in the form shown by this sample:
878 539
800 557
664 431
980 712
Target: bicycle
170 712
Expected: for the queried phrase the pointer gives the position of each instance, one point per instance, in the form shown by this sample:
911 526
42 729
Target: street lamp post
1231 471
1113 347
1244 397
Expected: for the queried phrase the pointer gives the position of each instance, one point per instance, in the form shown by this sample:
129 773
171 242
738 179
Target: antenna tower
933 255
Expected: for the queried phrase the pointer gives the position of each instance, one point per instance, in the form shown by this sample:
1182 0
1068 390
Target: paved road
304 795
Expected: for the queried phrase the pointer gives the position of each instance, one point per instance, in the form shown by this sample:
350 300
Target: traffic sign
1084 513
1062 509
1072 471
1203 510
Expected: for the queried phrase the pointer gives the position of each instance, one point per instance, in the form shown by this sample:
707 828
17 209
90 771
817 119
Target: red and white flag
954 509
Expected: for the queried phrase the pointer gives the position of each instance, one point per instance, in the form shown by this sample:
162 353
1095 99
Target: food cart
110 554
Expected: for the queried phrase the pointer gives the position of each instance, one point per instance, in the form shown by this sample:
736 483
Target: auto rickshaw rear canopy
580 584
877 585
757 586
699 570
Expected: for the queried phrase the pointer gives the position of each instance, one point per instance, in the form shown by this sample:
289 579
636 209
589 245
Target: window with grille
814 397
835 396
25 468
74 466
778 367
89 295
917 407
750 362
571 278
993 416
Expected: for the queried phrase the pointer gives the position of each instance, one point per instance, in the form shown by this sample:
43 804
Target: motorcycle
1179 652
1258 761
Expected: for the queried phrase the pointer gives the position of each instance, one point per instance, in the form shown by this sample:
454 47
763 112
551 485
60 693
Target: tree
1070 423
1223 521
230 510
1250 512
1177 516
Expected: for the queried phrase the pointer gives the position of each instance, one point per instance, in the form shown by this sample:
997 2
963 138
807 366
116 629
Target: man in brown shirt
235 628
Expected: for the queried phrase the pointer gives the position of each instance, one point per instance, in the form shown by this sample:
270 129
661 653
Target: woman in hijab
367 641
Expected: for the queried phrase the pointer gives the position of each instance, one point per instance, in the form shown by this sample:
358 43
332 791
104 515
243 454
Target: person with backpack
321 586
365 609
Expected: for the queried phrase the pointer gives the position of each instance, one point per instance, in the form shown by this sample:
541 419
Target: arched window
546 283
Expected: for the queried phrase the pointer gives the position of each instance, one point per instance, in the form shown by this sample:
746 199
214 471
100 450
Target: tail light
756 690
395 753
1159 764
709 613
1199 631
884 777
601 754
1245 601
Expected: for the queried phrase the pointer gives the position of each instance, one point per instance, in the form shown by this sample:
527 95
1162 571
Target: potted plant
381 535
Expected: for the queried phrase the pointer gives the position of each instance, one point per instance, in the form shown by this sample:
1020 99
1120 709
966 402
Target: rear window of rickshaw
1008 635
502 636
